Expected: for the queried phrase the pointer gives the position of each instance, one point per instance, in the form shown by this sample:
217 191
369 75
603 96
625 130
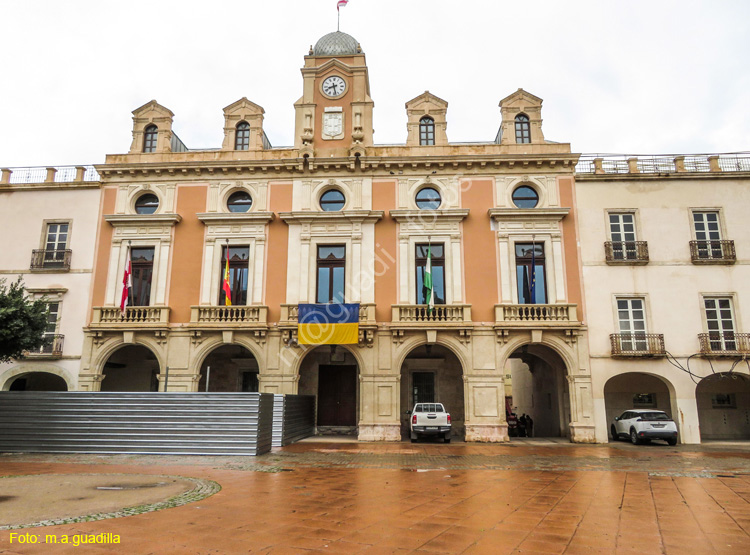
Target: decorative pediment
243 108
520 99
517 104
152 113
248 112
426 105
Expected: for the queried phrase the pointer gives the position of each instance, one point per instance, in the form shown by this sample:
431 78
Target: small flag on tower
127 283
341 4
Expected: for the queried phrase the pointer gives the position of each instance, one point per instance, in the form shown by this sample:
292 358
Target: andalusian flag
429 295
328 324
225 285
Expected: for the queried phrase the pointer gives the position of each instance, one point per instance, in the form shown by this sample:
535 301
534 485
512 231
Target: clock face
334 86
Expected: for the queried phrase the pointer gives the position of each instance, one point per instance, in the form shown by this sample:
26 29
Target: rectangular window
423 387
644 400
436 252
142 270
331 269
239 264
53 319
707 234
55 244
631 317
623 237
530 273
723 401
720 323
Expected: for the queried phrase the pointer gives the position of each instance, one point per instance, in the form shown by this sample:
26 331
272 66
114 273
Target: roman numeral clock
333 116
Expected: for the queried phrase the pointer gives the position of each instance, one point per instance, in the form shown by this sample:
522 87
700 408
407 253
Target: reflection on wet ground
524 497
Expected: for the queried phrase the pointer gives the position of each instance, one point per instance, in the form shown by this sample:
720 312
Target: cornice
447 214
141 219
307 216
214 218
528 214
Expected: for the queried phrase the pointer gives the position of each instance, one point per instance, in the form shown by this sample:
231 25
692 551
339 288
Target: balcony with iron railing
51 260
626 252
713 252
637 344
229 316
727 343
441 315
536 315
134 317
51 348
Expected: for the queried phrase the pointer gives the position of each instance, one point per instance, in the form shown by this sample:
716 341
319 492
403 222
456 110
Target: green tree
22 321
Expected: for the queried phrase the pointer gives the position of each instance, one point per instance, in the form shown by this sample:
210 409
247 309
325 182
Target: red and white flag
341 4
127 283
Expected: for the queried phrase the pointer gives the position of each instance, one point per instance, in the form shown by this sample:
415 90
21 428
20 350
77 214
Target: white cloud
642 76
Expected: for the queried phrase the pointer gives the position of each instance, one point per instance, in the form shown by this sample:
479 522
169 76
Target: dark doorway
337 394
229 369
131 368
38 381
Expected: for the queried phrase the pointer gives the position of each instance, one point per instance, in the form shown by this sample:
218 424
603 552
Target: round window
525 197
428 199
332 200
146 204
241 201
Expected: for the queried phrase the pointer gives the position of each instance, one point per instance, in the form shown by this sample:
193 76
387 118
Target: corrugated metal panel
157 423
294 418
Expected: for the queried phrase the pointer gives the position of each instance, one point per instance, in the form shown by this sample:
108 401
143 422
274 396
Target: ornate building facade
535 253
337 218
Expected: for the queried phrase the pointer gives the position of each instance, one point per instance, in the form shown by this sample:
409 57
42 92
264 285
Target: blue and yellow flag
328 324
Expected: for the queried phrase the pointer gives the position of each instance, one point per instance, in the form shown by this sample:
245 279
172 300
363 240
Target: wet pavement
530 496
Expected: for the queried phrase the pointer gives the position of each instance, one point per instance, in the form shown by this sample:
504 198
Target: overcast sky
626 76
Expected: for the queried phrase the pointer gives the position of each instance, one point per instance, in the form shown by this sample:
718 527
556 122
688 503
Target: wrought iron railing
626 252
420 313
668 163
51 259
51 348
57 174
724 343
714 251
637 344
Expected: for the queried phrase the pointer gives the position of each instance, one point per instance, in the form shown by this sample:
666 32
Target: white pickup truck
430 419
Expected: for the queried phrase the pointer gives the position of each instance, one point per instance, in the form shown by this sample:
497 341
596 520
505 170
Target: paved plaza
530 496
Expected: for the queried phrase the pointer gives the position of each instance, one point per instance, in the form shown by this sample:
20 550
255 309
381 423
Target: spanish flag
328 324
225 284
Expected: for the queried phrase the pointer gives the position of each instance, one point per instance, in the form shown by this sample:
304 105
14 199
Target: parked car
430 419
643 425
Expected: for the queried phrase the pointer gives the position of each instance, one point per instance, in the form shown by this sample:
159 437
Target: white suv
643 425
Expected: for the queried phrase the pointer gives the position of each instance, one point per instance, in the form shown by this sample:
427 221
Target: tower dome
336 44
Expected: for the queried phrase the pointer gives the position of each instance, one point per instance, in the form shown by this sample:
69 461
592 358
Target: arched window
427 131
242 136
523 132
149 138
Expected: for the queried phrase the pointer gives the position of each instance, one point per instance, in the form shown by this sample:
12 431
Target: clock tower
334 115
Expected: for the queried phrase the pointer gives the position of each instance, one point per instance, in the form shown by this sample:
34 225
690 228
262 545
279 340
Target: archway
233 368
635 390
433 374
535 387
37 381
131 368
724 406
331 374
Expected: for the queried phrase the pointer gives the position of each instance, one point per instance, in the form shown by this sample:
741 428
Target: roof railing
41 174
667 163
